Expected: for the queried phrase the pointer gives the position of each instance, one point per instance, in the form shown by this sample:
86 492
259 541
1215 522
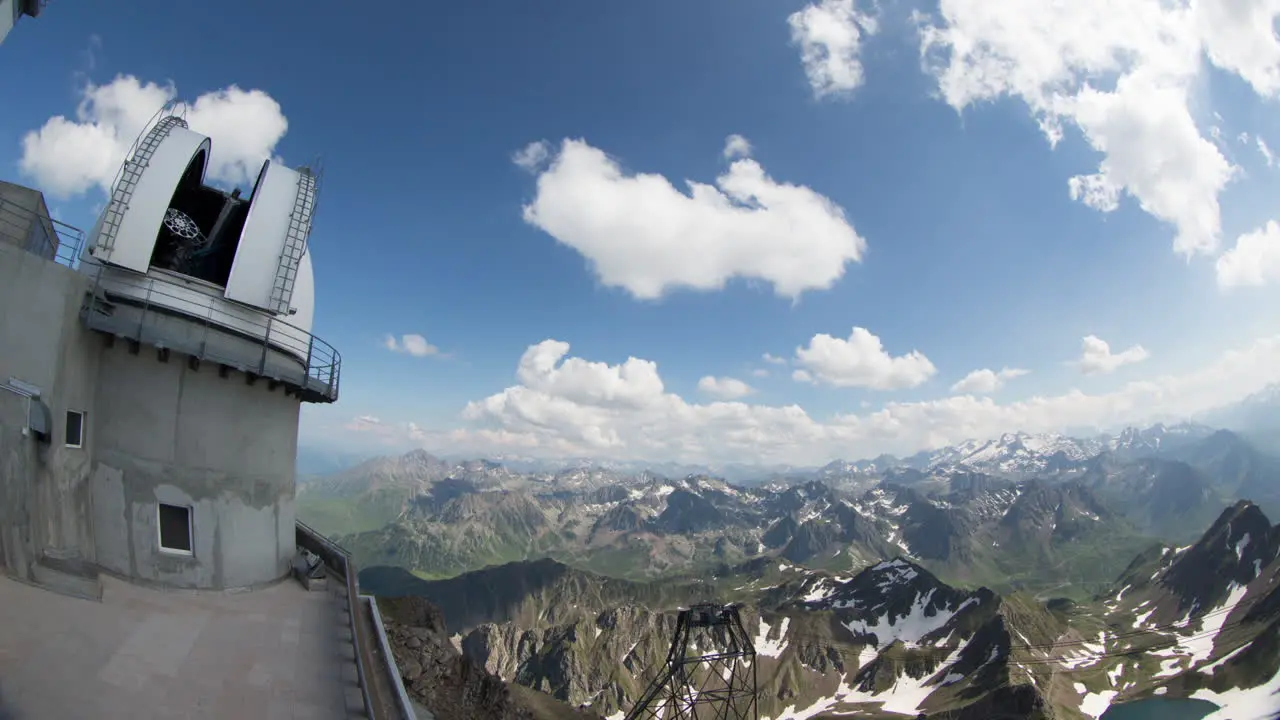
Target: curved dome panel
304 295
274 240
127 235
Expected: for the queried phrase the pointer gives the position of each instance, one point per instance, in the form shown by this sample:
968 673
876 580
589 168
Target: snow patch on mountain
1255 703
1095 704
771 648
911 627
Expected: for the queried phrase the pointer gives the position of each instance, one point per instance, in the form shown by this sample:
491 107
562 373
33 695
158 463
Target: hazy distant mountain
443 517
313 460
967 526
1257 417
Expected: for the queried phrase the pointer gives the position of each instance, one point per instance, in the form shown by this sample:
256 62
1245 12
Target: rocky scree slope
450 685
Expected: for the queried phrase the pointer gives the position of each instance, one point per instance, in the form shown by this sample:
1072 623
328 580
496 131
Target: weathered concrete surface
154 432
44 496
279 652
226 449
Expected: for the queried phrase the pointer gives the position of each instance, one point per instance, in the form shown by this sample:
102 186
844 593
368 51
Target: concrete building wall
169 434
154 432
43 486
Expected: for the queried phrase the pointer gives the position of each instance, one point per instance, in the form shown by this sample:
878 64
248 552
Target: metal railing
339 561
403 703
238 336
40 234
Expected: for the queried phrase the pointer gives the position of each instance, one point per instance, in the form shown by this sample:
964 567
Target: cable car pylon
709 673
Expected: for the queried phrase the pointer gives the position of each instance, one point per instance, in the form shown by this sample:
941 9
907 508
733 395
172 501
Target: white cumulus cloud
1124 74
641 234
531 156
725 388
69 156
1096 357
736 146
830 35
412 344
861 361
564 406
985 381
1255 259
773 359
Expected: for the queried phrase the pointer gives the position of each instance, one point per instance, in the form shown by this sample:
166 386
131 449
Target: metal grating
295 243
130 173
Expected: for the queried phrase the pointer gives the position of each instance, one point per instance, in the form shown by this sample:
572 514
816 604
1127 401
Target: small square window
175 528
75 429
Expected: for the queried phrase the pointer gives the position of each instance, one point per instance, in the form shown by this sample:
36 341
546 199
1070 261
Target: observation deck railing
159 311
380 702
40 234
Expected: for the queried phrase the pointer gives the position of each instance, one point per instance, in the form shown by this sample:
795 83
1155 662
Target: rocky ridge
448 684
892 640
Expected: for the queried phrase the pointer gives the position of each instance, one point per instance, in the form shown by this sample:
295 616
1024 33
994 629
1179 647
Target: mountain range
1256 418
893 640
1017 511
985 572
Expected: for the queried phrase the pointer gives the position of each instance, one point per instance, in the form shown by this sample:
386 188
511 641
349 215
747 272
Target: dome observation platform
190 268
188 316
149 419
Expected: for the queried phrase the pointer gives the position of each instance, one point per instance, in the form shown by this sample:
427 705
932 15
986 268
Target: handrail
402 697
305 533
319 360
63 247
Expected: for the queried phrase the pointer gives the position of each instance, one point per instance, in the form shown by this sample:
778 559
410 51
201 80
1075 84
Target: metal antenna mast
710 671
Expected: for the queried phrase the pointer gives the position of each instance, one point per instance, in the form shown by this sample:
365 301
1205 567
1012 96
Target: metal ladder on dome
295 242
130 173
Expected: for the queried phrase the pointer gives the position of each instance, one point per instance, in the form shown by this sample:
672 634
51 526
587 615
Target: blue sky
976 254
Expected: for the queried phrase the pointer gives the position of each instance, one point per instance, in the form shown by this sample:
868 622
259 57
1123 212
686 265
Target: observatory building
151 381
13 10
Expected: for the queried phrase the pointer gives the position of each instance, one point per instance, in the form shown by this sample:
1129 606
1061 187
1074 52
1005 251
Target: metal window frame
191 539
65 441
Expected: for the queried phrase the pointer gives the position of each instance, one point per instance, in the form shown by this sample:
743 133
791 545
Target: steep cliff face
601 662
448 684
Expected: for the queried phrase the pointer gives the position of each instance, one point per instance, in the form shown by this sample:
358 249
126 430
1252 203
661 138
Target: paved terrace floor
277 653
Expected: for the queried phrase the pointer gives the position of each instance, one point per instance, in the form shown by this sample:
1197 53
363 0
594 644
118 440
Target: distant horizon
566 462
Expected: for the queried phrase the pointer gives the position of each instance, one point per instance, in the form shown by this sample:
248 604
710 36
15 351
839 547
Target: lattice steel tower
710 671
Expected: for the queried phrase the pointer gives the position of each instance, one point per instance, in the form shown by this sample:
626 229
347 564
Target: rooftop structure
13 10
150 389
